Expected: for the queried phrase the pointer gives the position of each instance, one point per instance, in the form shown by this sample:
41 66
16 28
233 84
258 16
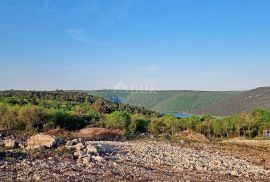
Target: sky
134 44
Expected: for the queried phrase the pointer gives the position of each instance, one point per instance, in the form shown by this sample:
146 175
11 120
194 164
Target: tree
217 127
228 126
172 123
262 118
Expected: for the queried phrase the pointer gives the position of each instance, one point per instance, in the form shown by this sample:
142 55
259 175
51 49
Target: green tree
228 126
172 123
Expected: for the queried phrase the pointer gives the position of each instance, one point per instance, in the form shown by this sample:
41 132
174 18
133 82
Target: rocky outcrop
42 140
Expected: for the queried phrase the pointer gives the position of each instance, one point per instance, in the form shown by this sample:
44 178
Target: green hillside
164 101
243 102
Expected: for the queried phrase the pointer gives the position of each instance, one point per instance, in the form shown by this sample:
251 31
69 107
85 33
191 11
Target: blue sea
178 114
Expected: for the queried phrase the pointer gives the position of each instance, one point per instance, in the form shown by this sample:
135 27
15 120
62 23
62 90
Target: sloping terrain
166 101
243 102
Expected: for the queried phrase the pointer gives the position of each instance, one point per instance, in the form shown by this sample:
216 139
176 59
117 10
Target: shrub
64 119
139 124
172 123
9 119
33 117
157 126
118 120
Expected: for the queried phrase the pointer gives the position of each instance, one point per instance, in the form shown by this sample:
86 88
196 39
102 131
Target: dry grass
191 135
99 134
243 141
60 133
56 132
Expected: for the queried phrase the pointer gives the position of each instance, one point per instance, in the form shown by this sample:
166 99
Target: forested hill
164 101
244 102
60 99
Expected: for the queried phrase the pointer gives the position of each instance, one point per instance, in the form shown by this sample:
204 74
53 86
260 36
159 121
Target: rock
22 145
79 146
215 163
102 149
234 173
86 159
91 149
42 140
97 158
182 141
69 143
10 143
37 177
74 141
78 153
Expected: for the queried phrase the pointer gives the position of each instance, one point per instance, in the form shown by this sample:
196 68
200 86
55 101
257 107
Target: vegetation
243 102
164 101
42 111
38 111
118 120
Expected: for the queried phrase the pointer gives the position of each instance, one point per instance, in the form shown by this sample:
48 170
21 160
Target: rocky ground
142 160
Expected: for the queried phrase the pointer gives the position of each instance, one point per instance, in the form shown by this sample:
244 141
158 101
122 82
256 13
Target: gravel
134 161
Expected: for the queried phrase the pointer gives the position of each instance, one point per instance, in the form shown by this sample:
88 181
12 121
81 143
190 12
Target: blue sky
134 44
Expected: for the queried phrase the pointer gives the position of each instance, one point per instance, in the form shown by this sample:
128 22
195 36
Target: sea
178 114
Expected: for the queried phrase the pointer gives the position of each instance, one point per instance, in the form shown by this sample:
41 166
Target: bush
167 124
172 123
139 124
118 120
33 117
157 126
9 119
65 120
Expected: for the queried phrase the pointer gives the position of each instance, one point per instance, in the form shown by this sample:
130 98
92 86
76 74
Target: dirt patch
243 141
57 132
191 135
99 134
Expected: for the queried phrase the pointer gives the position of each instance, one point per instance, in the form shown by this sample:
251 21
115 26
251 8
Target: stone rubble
132 161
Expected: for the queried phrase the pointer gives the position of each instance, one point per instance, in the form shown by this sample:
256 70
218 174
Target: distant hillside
166 101
243 102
